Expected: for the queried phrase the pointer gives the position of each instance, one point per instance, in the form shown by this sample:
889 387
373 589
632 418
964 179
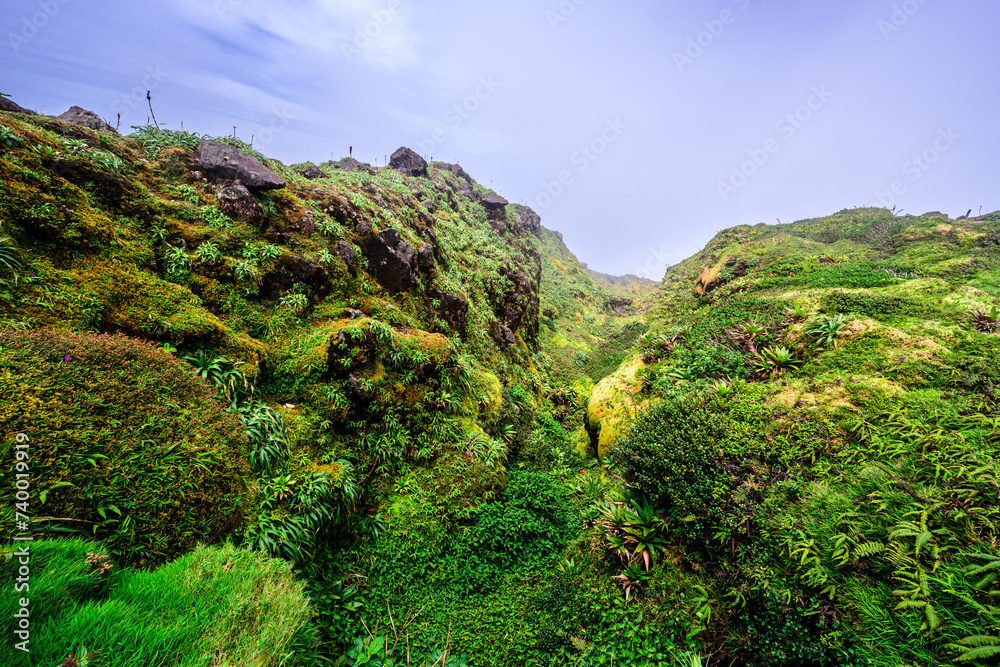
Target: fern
868 549
983 646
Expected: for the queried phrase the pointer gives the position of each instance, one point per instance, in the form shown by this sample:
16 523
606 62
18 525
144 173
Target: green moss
126 443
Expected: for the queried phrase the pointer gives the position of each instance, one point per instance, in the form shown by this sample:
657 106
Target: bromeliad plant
986 322
826 329
772 360
633 531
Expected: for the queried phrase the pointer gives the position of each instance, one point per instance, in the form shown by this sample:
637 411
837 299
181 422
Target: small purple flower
67 358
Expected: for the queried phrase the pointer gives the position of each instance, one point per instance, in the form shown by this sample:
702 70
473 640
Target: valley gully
22 552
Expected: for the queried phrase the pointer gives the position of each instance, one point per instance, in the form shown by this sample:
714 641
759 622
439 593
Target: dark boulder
84 118
451 308
237 202
346 252
350 164
10 105
292 270
530 221
312 172
408 163
429 234
455 169
363 229
505 337
494 202
225 162
425 257
496 212
392 261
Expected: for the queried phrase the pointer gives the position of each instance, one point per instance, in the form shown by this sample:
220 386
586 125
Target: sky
637 128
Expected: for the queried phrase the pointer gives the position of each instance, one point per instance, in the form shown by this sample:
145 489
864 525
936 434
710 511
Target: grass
212 606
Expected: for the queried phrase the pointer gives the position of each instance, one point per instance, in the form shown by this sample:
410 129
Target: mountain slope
821 435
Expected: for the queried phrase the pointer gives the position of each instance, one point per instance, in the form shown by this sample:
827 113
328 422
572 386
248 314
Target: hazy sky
638 128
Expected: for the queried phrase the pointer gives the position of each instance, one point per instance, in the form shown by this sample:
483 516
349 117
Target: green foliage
226 603
177 263
984 321
776 359
826 329
215 218
137 434
871 305
9 258
853 275
8 139
529 522
208 252
669 456
155 139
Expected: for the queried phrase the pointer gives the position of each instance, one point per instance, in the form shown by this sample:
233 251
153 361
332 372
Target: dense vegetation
253 444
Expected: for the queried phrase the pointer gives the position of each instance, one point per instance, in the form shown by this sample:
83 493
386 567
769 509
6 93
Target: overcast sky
638 128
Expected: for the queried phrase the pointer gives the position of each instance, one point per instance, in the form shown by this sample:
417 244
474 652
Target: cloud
373 32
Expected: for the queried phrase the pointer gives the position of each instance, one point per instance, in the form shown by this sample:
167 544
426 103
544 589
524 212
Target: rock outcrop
290 271
237 202
350 164
79 116
408 163
7 104
225 162
530 221
312 172
392 261
346 252
451 308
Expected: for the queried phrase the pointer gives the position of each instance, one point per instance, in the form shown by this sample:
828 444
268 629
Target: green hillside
421 432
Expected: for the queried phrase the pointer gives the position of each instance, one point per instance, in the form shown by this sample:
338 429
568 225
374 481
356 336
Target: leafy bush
826 329
530 521
9 256
872 305
669 457
126 444
853 275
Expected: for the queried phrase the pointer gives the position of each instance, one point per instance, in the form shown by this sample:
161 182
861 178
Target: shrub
126 444
532 519
871 305
668 457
